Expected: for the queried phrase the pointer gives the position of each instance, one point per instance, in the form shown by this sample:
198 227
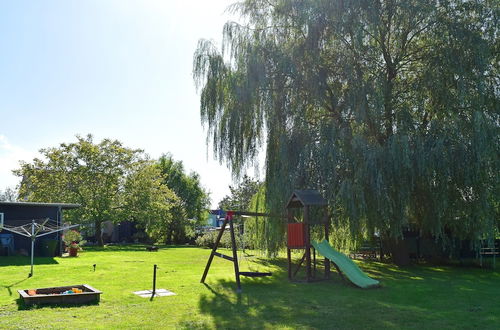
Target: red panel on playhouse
296 235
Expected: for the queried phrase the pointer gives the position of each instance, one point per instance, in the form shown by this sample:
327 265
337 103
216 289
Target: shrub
73 239
208 240
141 237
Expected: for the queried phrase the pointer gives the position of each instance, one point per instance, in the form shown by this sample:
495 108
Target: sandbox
60 295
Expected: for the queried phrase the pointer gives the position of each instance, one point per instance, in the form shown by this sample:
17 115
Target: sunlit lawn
415 297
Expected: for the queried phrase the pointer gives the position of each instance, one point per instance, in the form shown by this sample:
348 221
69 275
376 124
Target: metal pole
32 245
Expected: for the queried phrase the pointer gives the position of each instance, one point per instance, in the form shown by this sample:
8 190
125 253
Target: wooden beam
223 256
289 260
327 261
298 266
308 242
214 249
235 257
258 214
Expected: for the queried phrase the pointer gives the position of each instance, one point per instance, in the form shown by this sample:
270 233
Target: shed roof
31 204
309 197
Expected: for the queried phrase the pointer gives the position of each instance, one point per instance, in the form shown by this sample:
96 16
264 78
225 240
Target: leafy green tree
150 203
109 181
8 195
193 199
241 195
390 108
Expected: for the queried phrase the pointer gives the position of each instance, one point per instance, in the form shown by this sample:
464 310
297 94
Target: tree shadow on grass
117 248
276 303
403 301
265 302
231 310
134 248
24 261
429 272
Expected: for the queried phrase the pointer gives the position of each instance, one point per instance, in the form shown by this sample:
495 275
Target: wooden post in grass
214 249
307 243
288 250
326 222
234 259
235 255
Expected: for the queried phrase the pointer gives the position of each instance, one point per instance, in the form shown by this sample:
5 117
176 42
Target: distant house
212 220
121 232
215 218
111 232
20 213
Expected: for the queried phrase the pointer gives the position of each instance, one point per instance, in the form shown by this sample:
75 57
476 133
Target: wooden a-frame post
227 220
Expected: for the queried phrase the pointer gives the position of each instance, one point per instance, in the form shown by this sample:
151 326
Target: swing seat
254 274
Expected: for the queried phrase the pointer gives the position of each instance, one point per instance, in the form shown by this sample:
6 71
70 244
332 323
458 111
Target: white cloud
10 156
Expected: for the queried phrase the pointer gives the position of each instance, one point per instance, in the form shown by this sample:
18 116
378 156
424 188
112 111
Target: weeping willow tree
390 108
266 233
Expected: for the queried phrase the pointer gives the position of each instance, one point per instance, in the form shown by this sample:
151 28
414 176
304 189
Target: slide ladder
346 265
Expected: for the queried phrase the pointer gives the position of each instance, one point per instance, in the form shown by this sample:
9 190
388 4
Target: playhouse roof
307 197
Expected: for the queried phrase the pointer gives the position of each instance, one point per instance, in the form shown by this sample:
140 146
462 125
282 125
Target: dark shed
20 213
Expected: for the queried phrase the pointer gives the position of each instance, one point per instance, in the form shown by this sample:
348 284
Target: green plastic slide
346 265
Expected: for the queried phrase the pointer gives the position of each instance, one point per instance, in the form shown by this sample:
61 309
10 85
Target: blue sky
113 68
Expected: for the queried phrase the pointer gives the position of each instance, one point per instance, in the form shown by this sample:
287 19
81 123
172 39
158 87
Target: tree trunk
388 101
399 251
98 232
169 236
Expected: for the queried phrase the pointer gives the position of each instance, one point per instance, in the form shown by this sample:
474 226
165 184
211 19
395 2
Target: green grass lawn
413 297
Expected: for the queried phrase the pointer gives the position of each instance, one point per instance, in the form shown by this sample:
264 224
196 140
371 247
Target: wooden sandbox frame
53 295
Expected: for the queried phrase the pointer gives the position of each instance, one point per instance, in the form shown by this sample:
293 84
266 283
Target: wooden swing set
234 259
298 237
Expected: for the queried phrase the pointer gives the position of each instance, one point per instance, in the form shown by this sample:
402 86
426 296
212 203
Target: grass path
413 297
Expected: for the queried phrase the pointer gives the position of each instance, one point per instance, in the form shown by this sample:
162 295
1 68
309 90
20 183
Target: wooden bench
365 252
488 252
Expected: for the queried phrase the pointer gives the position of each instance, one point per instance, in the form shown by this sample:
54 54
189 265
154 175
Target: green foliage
152 205
8 195
193 200
208 239
109 181
267 233
241 195
420 297
389 108
73 239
